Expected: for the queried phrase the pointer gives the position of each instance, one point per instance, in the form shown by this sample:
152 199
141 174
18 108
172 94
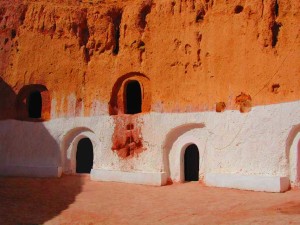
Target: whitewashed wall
260 144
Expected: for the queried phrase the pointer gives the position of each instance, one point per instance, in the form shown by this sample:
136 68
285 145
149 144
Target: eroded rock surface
195 53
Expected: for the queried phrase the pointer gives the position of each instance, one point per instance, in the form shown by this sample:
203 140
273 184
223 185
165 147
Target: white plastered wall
258 144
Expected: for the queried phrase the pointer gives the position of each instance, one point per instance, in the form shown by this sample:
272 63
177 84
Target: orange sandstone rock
187 55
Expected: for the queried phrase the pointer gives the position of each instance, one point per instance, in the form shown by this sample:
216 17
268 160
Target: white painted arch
294 158
69 147
176 157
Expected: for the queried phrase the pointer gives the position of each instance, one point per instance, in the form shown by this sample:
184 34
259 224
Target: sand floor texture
77 200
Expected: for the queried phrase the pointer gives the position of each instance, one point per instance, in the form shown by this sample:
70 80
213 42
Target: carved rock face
186 55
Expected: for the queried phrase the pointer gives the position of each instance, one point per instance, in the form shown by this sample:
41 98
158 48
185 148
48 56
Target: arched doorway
133 98
84 156
293 153
34 105
295 162
297 181
191 163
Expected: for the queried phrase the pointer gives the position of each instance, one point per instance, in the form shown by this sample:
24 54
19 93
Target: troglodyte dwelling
152 91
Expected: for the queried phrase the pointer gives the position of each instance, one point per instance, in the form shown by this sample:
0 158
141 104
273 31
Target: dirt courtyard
77 200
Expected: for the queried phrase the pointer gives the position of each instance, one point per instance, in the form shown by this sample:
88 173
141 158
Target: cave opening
34 104
191 163
133 98
84 156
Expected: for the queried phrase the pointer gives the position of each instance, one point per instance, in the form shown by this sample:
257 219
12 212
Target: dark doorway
191 163
84 156
133 98
34 102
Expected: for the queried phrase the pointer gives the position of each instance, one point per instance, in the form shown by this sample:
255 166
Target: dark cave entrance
191 163
133 98
34 104
84 156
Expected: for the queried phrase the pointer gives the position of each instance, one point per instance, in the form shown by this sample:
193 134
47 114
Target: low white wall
248 182
156 179
263 142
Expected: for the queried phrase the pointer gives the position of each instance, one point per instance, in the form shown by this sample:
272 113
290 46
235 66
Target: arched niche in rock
131 94
33 103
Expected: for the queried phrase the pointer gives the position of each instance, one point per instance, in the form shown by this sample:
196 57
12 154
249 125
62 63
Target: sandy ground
77 200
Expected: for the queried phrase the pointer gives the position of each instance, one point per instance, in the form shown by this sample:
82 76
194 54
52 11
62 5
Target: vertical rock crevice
83 32
276 8
144 11
275 28
200 15
275 32
23 14
143 15
84 35
271 25
80 28
116 17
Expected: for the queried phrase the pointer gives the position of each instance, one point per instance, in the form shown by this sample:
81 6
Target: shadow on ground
26 146
36 200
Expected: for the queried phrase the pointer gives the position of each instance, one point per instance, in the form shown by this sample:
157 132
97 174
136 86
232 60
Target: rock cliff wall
194 53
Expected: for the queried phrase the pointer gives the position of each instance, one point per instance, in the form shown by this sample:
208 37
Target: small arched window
33 102
133 97
131 94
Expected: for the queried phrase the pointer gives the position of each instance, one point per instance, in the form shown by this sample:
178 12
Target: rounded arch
117 100
176 156
175 144
23 101
69 143
293 155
